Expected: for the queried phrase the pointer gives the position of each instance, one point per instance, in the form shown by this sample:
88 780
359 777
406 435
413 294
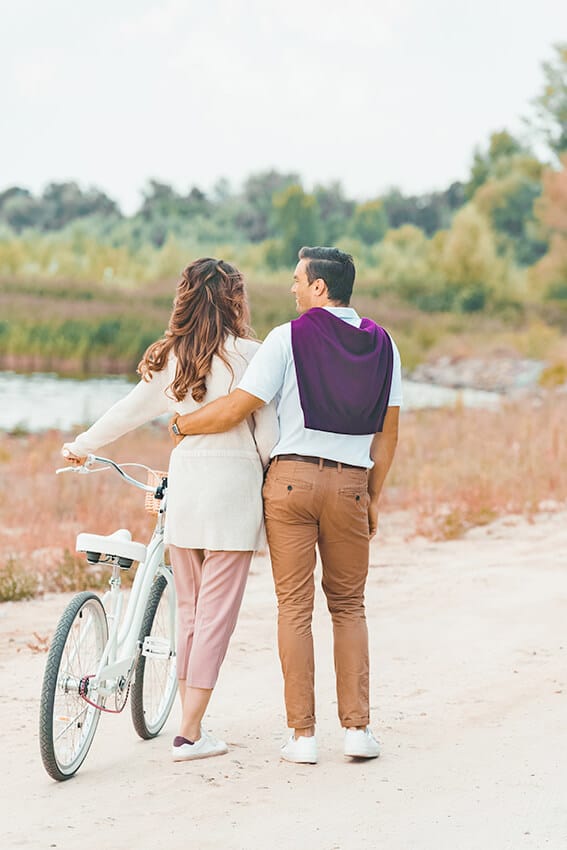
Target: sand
469 700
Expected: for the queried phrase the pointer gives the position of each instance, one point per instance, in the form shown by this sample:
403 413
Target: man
338 383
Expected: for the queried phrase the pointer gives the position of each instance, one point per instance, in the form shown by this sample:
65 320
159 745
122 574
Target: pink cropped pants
210 586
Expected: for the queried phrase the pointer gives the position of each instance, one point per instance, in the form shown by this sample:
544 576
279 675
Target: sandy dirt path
469 699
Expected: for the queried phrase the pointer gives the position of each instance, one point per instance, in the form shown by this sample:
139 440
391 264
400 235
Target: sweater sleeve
266 431
145 402
265 374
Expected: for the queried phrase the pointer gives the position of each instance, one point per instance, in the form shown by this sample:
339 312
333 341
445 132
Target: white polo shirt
271 373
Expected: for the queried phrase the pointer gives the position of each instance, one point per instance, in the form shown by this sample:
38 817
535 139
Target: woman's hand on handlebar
70 457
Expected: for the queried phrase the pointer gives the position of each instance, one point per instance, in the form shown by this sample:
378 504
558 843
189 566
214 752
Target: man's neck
329 303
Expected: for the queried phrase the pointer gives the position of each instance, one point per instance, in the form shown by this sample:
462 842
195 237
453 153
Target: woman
214 515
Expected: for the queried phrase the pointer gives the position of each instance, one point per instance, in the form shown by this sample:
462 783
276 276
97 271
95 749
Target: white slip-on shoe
301 750
204 748
361 743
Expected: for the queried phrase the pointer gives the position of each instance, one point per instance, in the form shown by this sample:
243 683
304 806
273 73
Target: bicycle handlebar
107 462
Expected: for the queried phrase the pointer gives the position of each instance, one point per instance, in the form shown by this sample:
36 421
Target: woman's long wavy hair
210 304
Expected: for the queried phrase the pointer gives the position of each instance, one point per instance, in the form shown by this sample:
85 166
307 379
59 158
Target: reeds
80 329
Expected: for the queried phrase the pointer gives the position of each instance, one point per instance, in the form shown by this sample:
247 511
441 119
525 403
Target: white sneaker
300 750
361 743
204 748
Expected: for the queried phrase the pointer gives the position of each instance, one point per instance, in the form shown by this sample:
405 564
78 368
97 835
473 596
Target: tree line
266 207
495 237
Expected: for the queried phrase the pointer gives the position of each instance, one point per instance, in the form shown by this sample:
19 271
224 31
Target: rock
495 374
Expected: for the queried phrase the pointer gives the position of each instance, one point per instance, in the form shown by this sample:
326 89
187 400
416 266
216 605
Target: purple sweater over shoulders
344 373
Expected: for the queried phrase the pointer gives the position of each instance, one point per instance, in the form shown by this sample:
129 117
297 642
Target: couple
318 403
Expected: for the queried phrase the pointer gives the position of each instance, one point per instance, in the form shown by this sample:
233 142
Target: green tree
162 201
298 220
505 181
19 209
369 222
507 199
255 216
60 204
467 258
550 273
501 146
336 211
166 213
429 212
403 264
550 106
66 202
222 190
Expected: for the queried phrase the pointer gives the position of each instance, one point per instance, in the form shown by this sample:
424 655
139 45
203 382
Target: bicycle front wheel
155 682
67 723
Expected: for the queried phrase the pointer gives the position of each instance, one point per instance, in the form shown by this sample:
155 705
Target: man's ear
320 286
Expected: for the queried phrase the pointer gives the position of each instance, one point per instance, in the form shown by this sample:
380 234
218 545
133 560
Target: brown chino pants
307 504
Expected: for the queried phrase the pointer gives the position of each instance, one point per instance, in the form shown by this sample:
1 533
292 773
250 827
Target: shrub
16 582
554 376
74 573
472 298
557 291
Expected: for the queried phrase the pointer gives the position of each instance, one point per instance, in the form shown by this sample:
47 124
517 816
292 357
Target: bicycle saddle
119 545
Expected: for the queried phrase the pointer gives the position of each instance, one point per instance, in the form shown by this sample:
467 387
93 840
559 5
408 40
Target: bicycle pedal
156 647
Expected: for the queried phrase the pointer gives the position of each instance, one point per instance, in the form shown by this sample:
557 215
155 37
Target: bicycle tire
155 682
73 655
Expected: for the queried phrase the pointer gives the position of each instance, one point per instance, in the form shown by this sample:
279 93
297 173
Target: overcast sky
373 93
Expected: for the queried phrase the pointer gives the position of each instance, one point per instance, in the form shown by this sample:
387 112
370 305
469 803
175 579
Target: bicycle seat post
115 582
115 579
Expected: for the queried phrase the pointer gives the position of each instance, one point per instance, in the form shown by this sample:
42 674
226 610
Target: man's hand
73 459
219 415
372 519
175 437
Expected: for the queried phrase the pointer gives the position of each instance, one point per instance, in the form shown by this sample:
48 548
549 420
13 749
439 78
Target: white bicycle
96 657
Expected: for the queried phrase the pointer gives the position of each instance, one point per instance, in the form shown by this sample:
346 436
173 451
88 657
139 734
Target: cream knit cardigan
215 480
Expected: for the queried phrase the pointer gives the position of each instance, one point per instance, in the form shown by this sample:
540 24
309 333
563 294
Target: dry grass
454 469
41 514
459 468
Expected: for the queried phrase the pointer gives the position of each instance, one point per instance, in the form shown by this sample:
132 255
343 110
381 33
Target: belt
320 461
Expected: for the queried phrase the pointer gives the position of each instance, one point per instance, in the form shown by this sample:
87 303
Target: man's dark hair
335 267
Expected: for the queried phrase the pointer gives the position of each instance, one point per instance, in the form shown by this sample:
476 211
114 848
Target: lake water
37 402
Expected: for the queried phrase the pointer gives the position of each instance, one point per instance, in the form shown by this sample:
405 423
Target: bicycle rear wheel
67 723
155 683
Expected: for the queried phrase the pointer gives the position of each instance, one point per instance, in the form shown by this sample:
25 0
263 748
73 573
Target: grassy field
81 329
454 469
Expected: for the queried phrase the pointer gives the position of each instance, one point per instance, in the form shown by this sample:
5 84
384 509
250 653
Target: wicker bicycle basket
152 505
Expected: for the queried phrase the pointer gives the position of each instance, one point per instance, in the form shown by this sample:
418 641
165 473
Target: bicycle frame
123 648
121 651
101 654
